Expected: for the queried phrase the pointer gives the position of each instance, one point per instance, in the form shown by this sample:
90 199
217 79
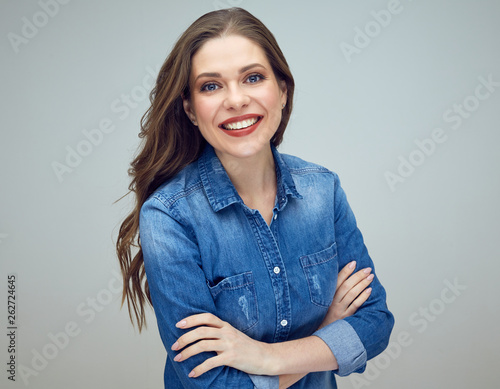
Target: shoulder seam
169 201
315 169
307 167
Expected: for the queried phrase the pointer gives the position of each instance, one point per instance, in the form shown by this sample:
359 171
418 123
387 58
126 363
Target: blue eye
209 87
253 78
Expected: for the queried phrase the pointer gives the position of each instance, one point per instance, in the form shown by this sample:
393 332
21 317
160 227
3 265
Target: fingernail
368 270
368 291
181 324
370 277
178 357
175 346
191 375
352 264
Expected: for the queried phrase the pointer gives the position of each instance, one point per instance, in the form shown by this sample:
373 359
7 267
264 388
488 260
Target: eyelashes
209 87
255 76
251 79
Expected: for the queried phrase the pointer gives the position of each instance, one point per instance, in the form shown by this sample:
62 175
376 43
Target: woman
241 245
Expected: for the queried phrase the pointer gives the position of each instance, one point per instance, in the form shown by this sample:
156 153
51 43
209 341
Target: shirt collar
286 185
220 190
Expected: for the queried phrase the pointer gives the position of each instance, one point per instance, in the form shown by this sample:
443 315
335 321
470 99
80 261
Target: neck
254 179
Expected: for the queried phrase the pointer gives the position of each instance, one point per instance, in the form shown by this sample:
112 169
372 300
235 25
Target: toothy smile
239 125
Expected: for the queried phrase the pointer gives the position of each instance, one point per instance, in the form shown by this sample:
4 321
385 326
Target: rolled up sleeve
345 345
265 382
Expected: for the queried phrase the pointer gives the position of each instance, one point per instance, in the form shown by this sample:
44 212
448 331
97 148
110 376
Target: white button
276 270
283 323
275 216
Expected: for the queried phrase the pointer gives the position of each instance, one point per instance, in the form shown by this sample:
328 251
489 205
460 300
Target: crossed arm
289 360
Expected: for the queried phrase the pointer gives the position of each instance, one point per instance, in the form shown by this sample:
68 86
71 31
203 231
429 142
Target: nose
236 98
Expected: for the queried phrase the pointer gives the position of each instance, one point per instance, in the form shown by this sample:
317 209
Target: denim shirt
206 251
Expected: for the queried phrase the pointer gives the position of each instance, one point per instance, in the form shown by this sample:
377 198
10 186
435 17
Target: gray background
358 114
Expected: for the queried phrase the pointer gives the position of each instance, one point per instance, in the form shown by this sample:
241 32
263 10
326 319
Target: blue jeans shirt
206 251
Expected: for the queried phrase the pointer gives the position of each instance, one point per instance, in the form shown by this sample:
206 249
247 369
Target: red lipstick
244 131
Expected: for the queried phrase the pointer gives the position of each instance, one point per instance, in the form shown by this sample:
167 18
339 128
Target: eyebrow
242 70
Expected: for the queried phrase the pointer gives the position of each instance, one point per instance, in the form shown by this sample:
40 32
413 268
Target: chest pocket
236 301
321 270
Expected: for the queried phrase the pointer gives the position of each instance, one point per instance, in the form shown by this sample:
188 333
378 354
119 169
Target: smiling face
235 100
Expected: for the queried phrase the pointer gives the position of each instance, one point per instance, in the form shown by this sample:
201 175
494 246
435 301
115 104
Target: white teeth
241 125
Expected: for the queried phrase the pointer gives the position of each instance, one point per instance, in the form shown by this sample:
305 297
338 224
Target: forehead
227 55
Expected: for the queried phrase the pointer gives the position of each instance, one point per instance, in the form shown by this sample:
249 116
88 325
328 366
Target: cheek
272 102
205 109
272 99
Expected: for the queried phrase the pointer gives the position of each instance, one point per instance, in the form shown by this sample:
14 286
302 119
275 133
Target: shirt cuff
265 381
345 345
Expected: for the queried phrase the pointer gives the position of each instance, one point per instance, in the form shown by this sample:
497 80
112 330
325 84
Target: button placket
266 236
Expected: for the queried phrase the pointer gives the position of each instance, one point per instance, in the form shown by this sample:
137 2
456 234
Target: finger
356 304
200 319
196 335
341 278
354 292
345 272
209 364
199 347
351 282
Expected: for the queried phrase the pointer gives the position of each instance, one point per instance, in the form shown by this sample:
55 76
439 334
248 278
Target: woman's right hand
352 291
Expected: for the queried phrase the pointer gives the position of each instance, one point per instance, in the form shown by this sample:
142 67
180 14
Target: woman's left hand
352 291
233 347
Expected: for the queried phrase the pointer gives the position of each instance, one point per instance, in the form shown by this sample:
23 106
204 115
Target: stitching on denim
305 170
332 247
221 288
316 263
175 214
171 200
256 310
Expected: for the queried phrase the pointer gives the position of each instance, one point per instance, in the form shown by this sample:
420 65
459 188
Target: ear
284 90
188 108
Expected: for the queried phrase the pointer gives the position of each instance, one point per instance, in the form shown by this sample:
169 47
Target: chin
247 151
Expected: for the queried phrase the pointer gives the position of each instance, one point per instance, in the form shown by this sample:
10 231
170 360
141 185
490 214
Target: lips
240 125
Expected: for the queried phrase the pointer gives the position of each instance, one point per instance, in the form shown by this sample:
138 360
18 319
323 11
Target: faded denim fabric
206 251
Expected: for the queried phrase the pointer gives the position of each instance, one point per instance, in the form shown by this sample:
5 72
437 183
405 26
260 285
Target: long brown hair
170 141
